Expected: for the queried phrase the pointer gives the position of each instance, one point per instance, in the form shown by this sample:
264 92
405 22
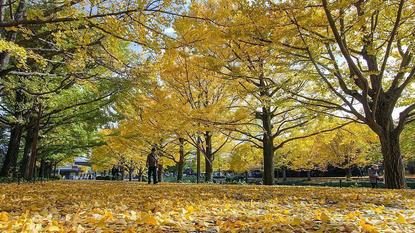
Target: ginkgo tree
304 155
202 76
158 120
360 53
353 145
47 47
236 47
205 98
155 118
120 149
245 157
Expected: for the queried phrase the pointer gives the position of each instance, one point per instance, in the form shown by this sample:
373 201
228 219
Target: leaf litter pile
93 206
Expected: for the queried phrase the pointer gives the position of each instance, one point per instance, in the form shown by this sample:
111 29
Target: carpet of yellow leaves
94 206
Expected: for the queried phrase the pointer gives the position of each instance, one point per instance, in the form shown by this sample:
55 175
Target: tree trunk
198 160
42 169
284 173
26 153
33 154
267 139
140 174
268 160
392 161
360 172
208 158
348 173
246 177
54 168
10 160
309 175
122 173
49 171
180 164
130 174
160 173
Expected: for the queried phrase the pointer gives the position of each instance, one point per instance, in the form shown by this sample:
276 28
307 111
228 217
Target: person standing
374 176
152 162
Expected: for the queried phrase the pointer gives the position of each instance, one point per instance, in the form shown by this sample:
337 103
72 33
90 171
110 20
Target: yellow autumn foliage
92 206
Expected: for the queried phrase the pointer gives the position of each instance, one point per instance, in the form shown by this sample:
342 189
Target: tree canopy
228 84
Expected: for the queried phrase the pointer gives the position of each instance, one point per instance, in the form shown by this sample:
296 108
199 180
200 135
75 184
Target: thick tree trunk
392 161
54 168
268 161
180 164
267 139
49 170
122 173
268 147
10 160
208 158
130 174
42 169
198 160
26 153
33 154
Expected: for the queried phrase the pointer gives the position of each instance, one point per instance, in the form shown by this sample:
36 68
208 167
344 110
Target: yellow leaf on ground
53 228
148 219
4 217
296 222
400 219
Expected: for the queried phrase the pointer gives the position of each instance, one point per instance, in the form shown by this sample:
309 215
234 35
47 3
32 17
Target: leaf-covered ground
133 207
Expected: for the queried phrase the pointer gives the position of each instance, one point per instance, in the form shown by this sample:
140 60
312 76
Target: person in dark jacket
374 176
152 162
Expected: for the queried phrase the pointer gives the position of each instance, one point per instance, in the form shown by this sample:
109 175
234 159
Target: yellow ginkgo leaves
322 216
133 207
4 217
